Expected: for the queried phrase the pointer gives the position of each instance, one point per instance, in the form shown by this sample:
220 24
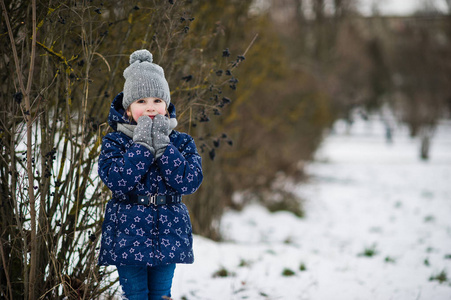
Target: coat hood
117 113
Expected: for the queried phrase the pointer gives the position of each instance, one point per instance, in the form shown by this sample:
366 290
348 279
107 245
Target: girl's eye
157 100
141 101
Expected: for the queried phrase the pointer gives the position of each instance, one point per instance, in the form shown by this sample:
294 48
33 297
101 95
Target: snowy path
365 196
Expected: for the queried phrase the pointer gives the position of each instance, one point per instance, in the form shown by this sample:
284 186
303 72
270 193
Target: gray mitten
160 134
143 133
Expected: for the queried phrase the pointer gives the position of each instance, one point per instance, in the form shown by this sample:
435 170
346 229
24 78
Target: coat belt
156 200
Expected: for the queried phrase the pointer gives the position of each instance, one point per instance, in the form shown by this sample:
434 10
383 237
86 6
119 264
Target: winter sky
399 7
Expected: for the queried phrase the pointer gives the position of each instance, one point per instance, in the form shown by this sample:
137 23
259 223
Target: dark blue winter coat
134 234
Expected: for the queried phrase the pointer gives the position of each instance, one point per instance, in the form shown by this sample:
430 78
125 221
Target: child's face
149 106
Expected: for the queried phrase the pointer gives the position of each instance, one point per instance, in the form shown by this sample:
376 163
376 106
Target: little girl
148 166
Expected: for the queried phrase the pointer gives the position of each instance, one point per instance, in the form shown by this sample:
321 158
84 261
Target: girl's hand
143 133
160 134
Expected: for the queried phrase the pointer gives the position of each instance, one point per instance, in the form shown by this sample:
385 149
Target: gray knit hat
144 79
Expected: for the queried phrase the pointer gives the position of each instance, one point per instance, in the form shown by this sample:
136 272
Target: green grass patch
389 259
223 272
302 267
369 251
244 263
288 272
440 277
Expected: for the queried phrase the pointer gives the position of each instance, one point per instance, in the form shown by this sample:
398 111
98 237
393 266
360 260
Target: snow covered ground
377 226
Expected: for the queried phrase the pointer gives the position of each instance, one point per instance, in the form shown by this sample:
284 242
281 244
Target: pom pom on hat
144 79
141 56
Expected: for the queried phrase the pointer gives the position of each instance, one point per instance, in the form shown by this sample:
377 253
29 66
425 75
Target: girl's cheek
139 113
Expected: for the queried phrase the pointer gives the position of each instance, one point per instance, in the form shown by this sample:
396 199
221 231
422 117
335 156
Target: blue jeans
146 283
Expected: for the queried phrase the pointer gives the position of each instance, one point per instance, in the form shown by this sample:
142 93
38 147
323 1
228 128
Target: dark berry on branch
226 52
187 78
18 97
212 154
204 118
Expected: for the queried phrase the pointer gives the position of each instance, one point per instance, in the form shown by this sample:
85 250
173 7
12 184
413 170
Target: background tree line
257 83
